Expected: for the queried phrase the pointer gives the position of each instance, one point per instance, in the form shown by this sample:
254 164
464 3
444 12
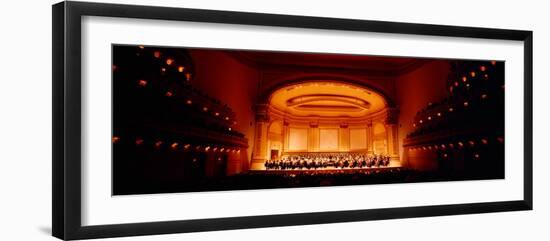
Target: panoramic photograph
201 119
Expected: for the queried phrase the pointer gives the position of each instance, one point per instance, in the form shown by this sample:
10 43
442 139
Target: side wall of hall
414 91
233 83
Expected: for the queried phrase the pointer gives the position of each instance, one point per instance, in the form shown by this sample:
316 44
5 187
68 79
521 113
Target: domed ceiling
326 99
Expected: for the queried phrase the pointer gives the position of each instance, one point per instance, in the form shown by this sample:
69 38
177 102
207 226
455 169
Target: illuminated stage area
192 119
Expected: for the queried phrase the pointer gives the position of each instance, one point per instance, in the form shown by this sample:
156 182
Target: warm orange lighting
169 94
204 109
438 113
115 139
226 118
464 79
141 47
473 74
189 102
414 124
234 122
139 141
169 61
420 121
174 145
429 118
494 62
221 150
142 83
181 69
482 68
157 54
207 148
229 128
188 76
163 69
187 146
466 104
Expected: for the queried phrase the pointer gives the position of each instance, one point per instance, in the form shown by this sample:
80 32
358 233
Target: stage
365 170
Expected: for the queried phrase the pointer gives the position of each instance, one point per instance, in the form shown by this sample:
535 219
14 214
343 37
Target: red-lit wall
414 91
233 83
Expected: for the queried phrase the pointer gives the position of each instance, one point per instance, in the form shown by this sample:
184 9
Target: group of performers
327 160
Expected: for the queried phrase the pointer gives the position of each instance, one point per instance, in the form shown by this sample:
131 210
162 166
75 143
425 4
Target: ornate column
313 137
259 153
391 131
370 138
343 137
285 137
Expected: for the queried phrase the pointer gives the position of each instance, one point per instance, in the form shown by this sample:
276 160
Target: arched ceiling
326 99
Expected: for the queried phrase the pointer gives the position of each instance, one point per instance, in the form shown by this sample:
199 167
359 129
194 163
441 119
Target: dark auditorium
199 119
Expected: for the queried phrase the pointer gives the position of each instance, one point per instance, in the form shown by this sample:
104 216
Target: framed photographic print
172 120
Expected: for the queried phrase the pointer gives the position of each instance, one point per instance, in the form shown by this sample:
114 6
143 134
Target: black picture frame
66 47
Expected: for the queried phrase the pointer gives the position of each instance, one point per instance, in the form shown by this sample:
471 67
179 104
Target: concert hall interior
196 119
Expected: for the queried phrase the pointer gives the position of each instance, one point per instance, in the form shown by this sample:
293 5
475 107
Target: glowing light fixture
158 144
174 145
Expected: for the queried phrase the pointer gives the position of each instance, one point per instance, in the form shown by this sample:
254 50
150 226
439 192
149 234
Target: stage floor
328 170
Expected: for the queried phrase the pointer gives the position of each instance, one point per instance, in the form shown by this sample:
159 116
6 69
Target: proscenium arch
265 95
